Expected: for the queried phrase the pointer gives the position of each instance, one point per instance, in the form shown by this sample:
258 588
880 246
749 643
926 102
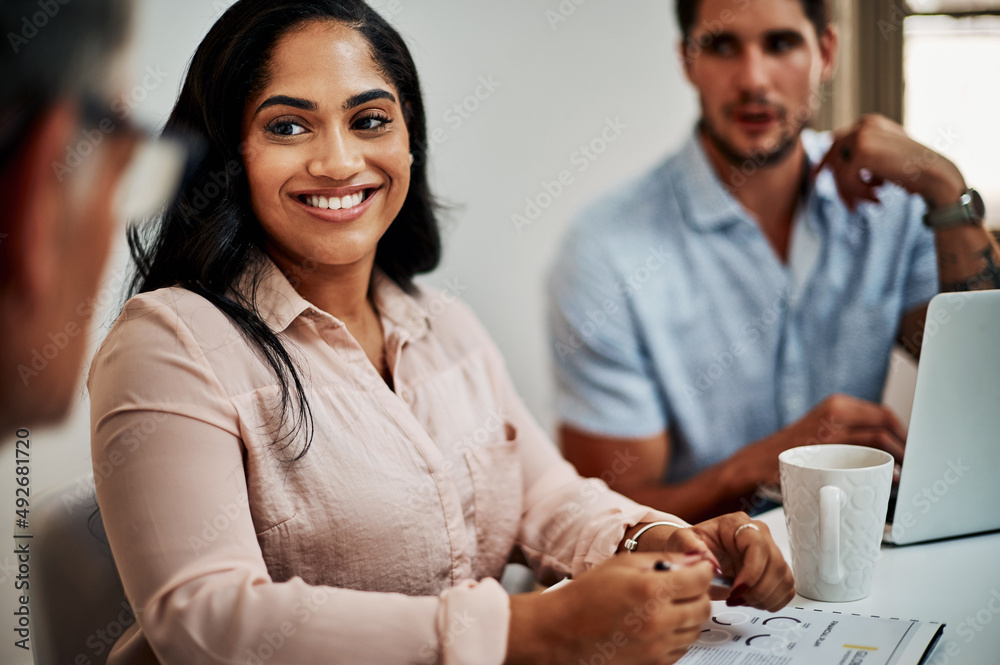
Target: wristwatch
969 209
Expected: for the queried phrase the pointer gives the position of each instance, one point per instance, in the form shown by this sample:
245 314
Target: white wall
557 85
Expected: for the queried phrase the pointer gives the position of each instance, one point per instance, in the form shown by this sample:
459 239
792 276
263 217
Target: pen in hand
719 581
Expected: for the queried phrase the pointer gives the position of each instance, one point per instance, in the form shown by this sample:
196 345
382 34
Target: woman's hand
621 607
744 549
762 576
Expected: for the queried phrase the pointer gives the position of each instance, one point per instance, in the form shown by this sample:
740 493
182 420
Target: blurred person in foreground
63 155
743 298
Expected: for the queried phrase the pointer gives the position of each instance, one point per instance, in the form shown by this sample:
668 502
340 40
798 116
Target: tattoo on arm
947 259
988 276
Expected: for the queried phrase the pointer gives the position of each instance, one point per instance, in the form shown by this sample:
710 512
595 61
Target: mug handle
830 570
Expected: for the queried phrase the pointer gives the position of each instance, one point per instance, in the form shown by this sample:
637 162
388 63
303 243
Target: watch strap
967 210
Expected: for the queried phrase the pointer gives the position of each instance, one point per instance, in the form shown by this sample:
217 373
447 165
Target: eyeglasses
157 166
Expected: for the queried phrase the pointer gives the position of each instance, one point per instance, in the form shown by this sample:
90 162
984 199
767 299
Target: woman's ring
748 525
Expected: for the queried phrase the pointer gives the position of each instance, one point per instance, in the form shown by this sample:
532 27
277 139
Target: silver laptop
950 481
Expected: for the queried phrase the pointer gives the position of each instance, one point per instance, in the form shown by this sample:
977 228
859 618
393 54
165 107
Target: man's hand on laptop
837 419
876 150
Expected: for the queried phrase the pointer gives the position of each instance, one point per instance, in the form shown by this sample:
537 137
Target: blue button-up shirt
671 311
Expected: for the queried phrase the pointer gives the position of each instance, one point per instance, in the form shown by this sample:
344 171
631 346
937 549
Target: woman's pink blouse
381 544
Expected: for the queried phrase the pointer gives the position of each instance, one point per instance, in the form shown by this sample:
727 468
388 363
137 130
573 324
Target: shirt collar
817 144
395 305
710 206
279 304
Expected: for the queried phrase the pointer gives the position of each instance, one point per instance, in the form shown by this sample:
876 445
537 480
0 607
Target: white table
954 581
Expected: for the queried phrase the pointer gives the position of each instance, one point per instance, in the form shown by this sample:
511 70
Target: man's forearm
968 256
709 494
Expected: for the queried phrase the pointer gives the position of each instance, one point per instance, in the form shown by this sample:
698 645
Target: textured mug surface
858 480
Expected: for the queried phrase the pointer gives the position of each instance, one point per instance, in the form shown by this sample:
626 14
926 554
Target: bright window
951 99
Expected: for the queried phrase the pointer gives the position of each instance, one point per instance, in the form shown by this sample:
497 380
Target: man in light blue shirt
743 298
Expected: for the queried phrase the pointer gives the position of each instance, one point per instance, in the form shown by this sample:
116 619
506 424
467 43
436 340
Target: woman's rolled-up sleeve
168 464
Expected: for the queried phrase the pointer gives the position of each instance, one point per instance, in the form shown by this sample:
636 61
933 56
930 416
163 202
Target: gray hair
57 48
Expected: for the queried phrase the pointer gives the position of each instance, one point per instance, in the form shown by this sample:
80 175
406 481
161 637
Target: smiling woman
328 167
341 467
252 89
327 161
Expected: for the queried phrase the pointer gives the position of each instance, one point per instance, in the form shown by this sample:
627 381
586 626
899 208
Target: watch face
970 209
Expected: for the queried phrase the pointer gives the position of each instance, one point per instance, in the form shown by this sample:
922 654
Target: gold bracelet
633 542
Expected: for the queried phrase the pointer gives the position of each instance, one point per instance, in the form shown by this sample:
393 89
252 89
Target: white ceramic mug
835 499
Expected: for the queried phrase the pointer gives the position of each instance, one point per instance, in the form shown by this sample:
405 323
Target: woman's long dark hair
209 237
